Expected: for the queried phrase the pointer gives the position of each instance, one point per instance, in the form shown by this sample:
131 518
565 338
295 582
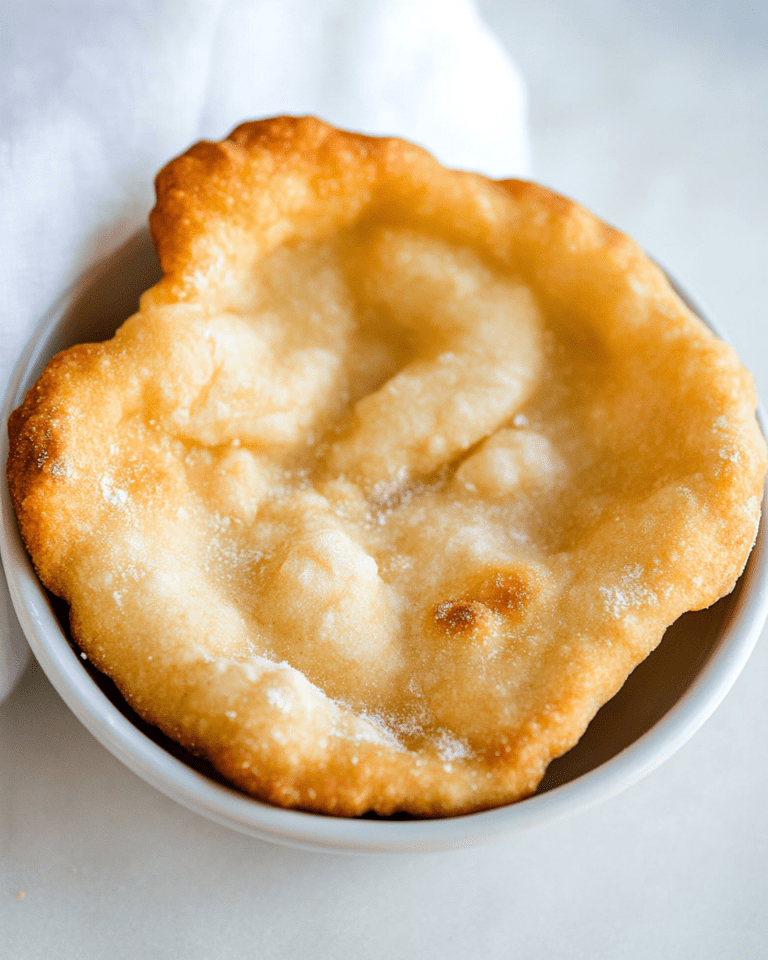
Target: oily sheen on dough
392 480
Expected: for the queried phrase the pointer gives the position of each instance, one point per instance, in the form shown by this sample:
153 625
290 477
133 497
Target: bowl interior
671 693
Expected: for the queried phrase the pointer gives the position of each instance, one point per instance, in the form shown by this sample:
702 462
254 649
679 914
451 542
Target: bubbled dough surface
384 529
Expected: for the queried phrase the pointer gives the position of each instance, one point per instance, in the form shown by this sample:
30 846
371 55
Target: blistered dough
477 356
392 480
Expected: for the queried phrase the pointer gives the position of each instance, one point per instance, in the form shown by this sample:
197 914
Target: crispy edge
38 440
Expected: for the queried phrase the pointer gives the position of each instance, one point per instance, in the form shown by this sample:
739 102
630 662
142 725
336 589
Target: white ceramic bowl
663 703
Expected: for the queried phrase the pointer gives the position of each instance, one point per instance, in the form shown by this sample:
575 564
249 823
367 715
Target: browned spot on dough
496 594
505 591
460 616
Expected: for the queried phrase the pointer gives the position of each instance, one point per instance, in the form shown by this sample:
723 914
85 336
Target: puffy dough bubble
241 482
508 461
328 593
478 354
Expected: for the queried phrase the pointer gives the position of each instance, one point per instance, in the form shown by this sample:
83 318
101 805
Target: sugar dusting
451 747
629 593
280 699
115 496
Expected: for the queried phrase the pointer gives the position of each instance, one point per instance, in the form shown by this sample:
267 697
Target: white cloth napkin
95 97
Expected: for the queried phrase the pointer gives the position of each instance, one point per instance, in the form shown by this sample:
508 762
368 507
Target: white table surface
655 115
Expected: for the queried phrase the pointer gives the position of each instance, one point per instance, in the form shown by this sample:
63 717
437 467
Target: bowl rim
317 832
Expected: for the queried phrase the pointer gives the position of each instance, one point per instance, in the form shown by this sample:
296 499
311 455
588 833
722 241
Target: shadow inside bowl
651 690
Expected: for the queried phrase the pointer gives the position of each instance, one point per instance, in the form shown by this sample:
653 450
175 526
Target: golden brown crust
394 557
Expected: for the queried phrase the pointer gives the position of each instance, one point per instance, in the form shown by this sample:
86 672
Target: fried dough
393 479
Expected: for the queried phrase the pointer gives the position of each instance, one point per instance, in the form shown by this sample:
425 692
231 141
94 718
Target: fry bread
393 479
